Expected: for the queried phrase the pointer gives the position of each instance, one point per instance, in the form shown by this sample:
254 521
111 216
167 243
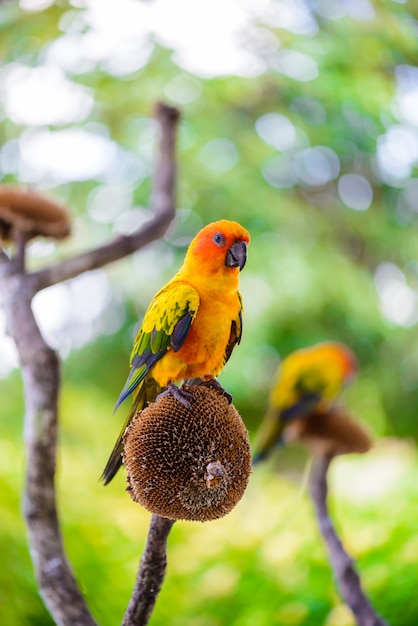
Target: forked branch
41 377
162 205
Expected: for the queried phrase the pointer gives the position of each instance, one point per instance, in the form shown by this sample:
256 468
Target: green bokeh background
310 276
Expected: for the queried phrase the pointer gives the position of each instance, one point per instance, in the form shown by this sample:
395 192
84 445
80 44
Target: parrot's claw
179 394
216 385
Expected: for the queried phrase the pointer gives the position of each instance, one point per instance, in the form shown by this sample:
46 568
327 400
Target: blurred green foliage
332 257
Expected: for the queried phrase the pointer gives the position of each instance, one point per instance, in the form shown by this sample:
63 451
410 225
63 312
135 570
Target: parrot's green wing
294 396
165 327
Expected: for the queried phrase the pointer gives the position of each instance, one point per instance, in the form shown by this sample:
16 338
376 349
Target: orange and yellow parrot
307 380
191 325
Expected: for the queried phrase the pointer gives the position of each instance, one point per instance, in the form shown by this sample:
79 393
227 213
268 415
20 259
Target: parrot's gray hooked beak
237 255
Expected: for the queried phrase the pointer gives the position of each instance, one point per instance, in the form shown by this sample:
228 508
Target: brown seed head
32 213
329 430
189 464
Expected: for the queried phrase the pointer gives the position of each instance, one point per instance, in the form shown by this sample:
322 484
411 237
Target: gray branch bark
41 378
40 370
151 573
342 564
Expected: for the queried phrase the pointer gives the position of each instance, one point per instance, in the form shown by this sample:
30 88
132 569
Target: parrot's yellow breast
203 352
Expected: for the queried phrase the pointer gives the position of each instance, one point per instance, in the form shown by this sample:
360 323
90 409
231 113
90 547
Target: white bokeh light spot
355 191
37 96
397 152
65 155
71 314
276 130
296 65
317 165
398 301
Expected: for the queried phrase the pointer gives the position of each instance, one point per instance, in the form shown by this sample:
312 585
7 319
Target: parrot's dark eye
219 239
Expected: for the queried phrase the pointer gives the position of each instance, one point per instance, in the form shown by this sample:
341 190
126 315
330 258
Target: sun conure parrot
191 325
307 380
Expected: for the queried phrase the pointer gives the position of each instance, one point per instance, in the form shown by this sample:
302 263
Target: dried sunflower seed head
189 464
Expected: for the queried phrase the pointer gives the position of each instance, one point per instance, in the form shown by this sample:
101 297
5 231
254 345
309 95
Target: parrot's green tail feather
144 393
269 435
115 459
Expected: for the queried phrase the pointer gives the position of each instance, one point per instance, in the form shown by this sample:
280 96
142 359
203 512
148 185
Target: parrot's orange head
343 357
220 245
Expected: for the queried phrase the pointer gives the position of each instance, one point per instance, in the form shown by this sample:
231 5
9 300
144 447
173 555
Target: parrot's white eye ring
219 239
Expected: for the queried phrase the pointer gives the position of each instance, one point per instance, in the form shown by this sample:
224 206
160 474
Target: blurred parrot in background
191 325
306 381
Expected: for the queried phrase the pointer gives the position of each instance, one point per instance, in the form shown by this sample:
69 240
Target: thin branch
343 566
20 258
40 371
4 259
151 573
162 205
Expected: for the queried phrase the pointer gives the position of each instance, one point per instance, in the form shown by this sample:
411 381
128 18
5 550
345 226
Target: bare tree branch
20 258
162 204
40 371
343 566
151 573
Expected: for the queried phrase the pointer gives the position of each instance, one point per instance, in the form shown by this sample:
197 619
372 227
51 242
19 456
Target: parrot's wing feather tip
124 394
113 464
259 457
108 473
